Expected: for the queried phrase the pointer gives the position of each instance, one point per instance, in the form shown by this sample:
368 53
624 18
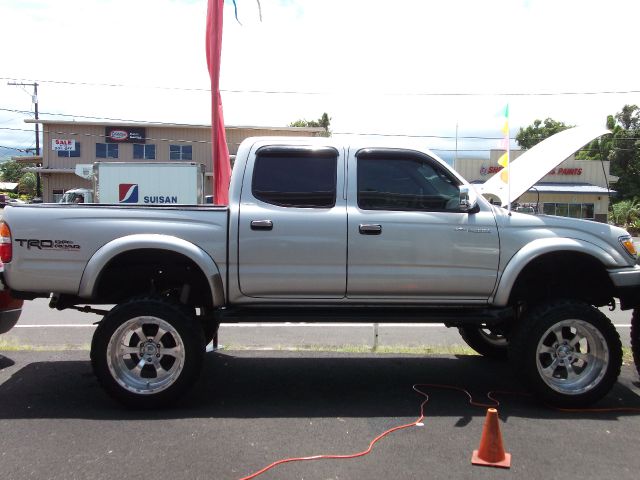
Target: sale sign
63 145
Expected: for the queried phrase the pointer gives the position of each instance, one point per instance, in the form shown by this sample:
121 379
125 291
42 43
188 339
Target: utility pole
34 99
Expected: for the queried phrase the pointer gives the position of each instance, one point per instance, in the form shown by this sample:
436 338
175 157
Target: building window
57 194
180 152
107 150
144 152
73 153
574 210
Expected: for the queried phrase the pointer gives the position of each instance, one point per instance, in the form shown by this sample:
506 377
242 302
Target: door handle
261 225
370 229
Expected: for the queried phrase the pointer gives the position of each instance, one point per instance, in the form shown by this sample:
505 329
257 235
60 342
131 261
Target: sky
414 70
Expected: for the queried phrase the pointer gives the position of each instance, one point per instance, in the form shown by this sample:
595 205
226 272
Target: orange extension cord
417 387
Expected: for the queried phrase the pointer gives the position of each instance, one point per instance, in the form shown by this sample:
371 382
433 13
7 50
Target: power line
444 137
124 120
90 135
301 92
207 142
24 150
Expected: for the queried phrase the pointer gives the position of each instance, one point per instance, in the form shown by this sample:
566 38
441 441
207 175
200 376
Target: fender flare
537 248
110 250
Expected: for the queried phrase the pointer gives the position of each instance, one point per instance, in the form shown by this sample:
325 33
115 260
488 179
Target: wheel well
563 275
153 271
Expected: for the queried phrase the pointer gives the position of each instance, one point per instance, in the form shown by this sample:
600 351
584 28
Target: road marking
58 325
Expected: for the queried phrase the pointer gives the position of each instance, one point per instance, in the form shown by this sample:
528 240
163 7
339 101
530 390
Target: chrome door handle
261 225
370 229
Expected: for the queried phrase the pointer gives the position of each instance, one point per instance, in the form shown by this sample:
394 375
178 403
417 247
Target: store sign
125 134
484 170
490 170
63 145
566 171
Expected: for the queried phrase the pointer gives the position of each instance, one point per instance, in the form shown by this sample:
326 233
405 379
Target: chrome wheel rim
145 355
572 357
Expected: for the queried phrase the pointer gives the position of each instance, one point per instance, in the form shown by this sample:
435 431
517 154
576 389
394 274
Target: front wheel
635 338
569 351
147 352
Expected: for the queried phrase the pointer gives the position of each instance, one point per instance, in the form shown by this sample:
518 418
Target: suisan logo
128 193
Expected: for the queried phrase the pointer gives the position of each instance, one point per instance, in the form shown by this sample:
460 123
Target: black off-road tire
635 338
569 352
139 365
486 342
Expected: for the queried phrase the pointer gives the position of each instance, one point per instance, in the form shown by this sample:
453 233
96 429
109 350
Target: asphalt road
252 408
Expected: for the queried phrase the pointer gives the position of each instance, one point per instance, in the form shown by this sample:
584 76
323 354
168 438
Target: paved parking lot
252 408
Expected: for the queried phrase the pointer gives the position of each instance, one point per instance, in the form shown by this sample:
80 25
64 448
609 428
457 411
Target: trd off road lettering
47 244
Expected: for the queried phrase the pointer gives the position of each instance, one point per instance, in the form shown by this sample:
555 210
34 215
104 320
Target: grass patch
9 344
627 355
12 345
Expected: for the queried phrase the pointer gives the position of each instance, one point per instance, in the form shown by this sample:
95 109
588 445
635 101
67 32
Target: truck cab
77 195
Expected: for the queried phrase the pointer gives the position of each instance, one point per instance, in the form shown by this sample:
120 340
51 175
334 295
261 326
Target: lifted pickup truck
321 230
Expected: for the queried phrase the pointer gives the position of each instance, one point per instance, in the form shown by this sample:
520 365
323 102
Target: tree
599 149
625 152
538 131
11 171
622 149
324 121
27 184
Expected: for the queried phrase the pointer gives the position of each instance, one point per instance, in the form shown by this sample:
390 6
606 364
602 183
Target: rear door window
302 177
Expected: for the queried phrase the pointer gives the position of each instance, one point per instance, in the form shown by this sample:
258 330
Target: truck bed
76 233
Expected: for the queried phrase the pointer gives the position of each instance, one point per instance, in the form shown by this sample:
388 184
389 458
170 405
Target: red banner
219 149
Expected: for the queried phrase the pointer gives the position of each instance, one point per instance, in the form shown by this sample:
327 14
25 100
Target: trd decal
47 244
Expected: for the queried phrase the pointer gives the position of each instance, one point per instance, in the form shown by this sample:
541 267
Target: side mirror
468 199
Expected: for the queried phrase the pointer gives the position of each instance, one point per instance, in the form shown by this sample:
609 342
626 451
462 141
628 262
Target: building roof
561 187
172 125
580 188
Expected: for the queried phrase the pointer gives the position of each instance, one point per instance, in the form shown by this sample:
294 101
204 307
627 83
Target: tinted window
298 177
106 150
180 152
144 152
74 153
398 181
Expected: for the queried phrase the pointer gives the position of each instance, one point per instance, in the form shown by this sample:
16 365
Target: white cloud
370 57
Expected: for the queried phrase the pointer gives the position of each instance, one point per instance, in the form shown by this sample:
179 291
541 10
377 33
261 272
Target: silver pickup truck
323 230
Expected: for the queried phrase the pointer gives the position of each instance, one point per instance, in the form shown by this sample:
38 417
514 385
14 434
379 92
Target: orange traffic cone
491 452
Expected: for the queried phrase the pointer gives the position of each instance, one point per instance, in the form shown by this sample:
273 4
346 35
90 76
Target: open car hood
535 163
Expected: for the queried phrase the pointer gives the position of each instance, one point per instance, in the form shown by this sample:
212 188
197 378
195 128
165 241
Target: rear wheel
569 351
488 342
635 337
147 352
